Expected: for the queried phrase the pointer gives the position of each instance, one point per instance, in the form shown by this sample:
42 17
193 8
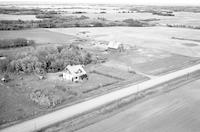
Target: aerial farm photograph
99 65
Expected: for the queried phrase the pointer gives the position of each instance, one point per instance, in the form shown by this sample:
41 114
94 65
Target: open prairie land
150 37
39 35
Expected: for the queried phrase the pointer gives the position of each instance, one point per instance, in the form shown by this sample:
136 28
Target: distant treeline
160 13
183 26
151 9
20 11
136 23
17 24
58 21
14 43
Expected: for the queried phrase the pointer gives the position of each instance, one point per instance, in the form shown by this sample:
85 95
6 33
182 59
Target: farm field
18 17
150 62
149 37
183 18
39 35
173 111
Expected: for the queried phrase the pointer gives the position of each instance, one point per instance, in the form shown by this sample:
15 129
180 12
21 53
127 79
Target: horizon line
97 3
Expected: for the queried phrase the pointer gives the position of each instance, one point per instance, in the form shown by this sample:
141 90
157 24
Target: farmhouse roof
76 70
114 45
2 58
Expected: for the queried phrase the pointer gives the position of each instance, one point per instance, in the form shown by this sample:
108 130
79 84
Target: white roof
2 58
76 70
114 45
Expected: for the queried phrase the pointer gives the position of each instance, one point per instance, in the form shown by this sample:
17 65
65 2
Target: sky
137 2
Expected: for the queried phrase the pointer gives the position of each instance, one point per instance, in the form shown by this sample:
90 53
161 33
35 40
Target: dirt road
176 111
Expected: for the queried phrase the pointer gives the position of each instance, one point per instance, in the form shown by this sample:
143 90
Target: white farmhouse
113 45
74 73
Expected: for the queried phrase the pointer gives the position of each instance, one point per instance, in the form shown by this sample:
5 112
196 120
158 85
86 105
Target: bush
46 98
27 64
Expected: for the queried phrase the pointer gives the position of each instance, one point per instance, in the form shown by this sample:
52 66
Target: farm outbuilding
74 73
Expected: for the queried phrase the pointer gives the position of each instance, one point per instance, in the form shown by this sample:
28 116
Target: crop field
150 61
39 35
149 37
175 111
182 18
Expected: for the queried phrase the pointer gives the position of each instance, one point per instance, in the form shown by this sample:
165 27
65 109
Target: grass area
38 35
150 61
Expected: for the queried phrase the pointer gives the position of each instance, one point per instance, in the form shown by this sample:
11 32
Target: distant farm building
2 57
74 73
116 46
163 13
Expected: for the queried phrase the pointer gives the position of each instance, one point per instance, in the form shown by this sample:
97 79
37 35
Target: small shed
113 45
74 73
